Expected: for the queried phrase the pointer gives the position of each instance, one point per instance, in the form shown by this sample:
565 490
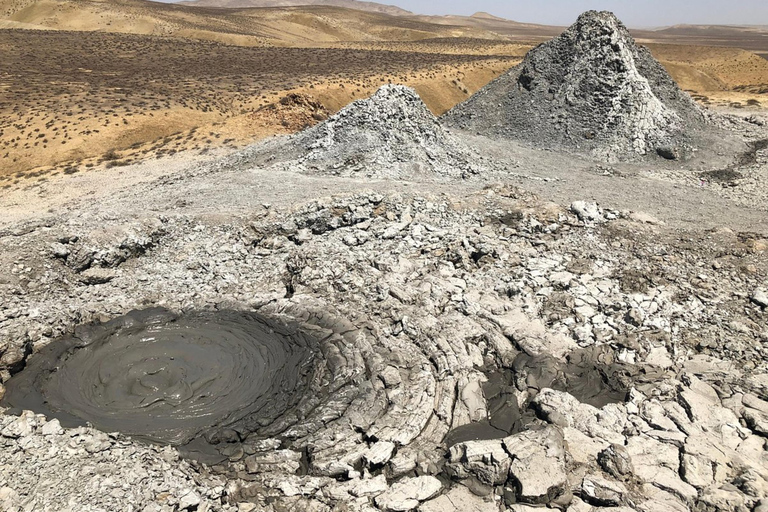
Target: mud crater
593 375
195 381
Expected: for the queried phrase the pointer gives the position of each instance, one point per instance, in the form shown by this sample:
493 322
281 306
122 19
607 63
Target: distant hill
283 23
246 26
748 37
486 16
512 30
347 4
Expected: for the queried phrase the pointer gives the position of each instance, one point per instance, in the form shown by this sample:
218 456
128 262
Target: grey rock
668 152
407 493
488 461
760 297
603 492
80 258
96 275
659 463
538 464
52 428
379 453
757 421
60 251
588 212
370 487
189 500
460 499
616 461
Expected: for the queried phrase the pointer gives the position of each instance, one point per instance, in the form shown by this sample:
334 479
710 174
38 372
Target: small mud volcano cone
592 90
392 134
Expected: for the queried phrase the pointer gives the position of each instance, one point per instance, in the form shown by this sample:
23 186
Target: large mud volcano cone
392 134
591 89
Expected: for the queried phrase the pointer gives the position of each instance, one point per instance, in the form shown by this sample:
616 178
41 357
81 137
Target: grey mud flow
592 375
196 381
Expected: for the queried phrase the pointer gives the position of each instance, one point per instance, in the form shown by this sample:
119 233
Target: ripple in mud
191 381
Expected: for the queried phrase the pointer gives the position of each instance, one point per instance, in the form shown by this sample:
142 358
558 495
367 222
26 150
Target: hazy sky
635 13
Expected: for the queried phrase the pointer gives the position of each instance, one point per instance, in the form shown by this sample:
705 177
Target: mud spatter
190 381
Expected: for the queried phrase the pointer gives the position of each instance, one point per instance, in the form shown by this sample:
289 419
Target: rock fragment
588 212
616 461
603 492
407 493
52 428
189 500
488 461
379 453
538 464
760 297
460 499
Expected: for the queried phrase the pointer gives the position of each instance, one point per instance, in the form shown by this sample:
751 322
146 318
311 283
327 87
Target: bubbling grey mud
192 381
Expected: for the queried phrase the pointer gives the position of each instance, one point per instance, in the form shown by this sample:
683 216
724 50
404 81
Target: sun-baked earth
439 319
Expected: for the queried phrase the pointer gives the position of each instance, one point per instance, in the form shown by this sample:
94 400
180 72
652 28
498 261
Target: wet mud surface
592 375
746 159
192 381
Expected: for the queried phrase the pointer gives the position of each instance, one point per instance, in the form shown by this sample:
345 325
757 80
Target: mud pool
192 381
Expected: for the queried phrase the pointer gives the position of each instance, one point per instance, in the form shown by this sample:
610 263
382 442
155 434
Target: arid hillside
349 4
279 26
716 72
94 83
752 38
71 99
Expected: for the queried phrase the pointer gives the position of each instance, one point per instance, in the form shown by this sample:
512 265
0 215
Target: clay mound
591 89
391 135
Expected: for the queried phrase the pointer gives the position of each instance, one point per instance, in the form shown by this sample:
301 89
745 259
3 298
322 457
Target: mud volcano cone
592 89
392 134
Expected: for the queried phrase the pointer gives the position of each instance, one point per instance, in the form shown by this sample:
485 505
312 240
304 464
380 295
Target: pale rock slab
379 453
22 426
602 491
756 421
538 464
52 428
697 471
583 449
486 460
460 499
408 493
751 401
660 357
645 218
563 410
658 463
656 416
189 500
532 336
661 501
358 488
616 461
